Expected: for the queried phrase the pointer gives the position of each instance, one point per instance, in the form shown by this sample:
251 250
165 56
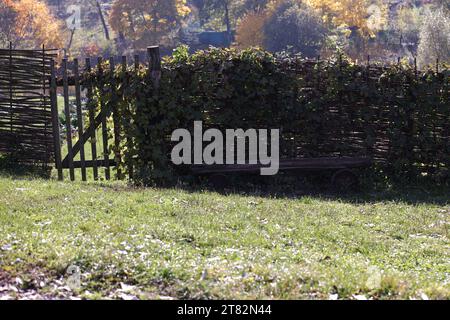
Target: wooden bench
343 168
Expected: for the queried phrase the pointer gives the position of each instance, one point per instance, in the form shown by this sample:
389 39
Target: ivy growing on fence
395 114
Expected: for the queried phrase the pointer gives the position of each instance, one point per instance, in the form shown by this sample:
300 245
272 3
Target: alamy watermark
74 20
234 146
73 280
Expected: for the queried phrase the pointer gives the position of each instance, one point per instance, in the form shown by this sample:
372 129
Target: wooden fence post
92 123
55 121
68 120
104 124
415 68
154 65
79 117
136 62
44 85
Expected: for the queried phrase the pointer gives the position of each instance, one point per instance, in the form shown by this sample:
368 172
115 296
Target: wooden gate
70 147
25 106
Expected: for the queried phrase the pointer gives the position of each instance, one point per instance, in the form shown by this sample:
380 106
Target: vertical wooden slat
79 116
104 125
68 120
92 124
124 64
136 62
154 65
55 122
116 119
415 68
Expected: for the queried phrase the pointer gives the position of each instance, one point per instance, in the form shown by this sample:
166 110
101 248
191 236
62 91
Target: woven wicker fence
25 106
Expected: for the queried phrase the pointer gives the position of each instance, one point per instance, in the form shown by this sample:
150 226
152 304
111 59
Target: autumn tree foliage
244 16
7 20
434 38
29 24
353 22
250 28
145 22
249 32
364 16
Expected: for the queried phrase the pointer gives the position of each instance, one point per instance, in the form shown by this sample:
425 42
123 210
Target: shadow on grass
11 168
320 188
299 186
278 187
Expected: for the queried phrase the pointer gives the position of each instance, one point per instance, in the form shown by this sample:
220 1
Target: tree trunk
102 18
70 40
227 22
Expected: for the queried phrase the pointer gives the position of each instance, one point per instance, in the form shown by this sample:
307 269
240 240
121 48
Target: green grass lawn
169 243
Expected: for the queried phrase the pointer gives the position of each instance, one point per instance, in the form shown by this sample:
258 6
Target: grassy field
168 243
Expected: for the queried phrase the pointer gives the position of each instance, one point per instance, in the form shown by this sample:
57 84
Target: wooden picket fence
70 78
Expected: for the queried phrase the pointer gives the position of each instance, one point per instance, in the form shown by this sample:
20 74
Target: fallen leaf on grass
127 288
125 296
7 247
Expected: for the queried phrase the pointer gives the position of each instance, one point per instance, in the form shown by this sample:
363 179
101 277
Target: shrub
250 30
331 108
434 38
296 26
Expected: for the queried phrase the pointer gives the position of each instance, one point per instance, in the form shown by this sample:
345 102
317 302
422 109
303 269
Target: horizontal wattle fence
121 115
395 114
25 106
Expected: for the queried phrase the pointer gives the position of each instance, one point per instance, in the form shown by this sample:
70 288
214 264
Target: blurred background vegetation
383 29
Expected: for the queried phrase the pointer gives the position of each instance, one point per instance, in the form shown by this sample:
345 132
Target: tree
297 26
434 40
226 14
218 13
8 16
102 19
250 30
401 36
356 24
146 22
29 24
363 16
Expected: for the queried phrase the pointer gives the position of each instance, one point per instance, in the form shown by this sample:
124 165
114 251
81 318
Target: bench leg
345 180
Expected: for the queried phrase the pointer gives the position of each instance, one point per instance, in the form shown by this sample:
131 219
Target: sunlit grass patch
173 243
